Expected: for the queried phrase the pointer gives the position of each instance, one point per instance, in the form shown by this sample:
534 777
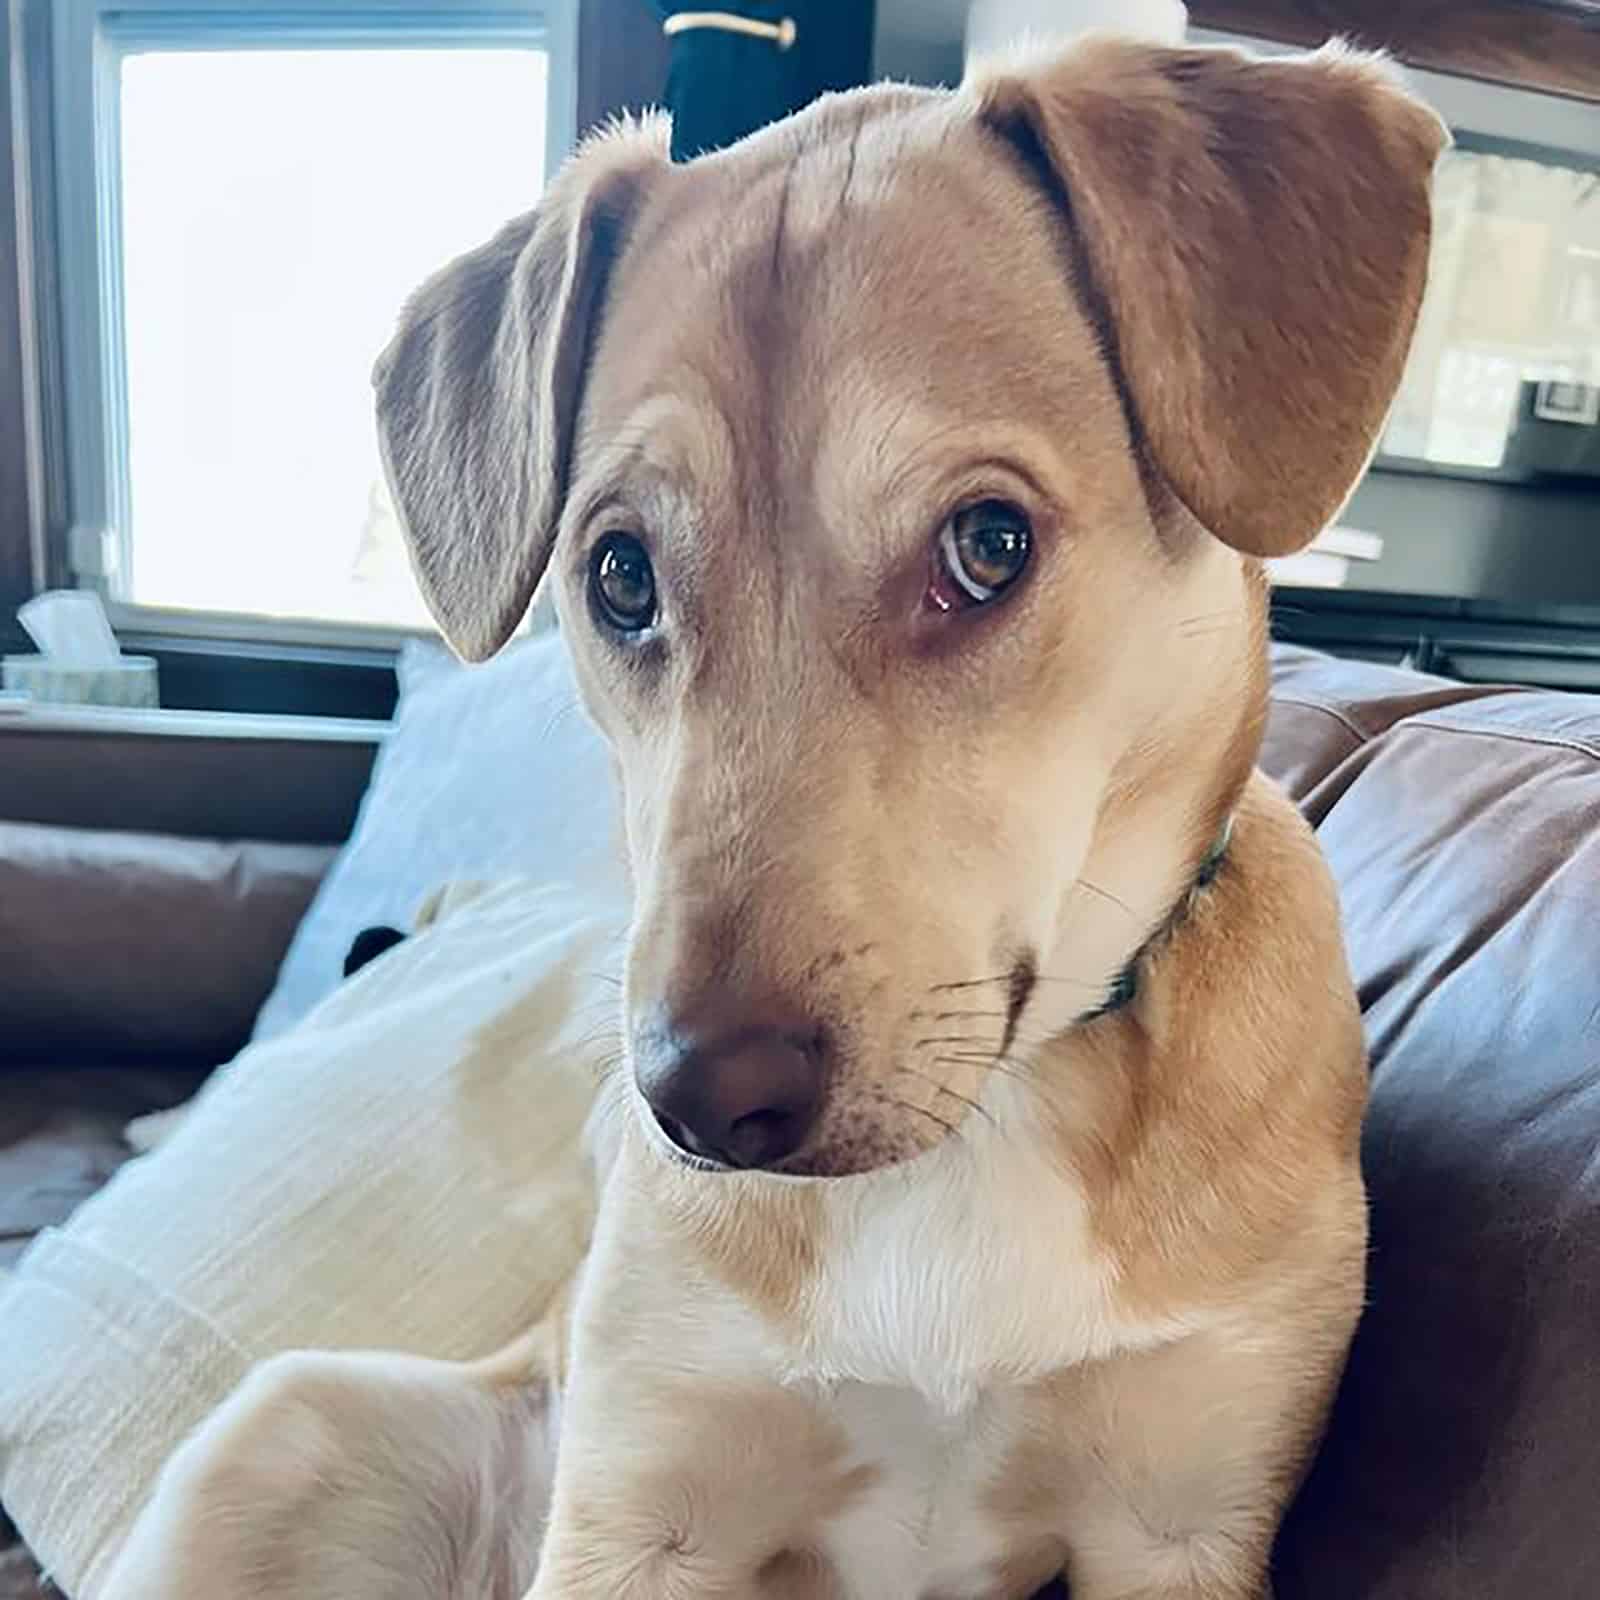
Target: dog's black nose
742 1097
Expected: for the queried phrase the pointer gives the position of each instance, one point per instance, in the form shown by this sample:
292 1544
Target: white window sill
25 716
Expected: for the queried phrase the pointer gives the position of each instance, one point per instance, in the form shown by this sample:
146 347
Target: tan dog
902 475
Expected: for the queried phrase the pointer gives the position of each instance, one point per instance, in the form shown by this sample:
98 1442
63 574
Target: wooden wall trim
1549 45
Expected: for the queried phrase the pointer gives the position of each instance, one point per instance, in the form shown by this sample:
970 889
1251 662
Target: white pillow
488 772
404 1170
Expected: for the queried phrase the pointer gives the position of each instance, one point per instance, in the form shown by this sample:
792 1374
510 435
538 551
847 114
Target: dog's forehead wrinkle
824 379
672 430
745 236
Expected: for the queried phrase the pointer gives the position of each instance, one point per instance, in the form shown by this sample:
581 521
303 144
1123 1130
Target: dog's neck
1125 986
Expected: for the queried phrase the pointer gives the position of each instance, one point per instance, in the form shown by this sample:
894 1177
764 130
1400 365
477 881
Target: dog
981 1204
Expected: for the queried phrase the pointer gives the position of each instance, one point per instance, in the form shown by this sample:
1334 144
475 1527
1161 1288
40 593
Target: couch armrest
204 775
138 946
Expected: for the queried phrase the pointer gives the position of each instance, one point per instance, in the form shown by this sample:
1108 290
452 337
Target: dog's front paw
343 1476
230 1509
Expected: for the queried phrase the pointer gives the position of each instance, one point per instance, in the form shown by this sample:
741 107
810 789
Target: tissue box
128 681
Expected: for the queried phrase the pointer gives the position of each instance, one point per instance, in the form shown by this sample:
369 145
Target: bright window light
277 207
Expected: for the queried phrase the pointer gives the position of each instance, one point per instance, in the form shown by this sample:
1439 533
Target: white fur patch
969 1268
923 1528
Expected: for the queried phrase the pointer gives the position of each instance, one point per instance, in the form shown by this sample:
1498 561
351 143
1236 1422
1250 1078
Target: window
1504 373
245 198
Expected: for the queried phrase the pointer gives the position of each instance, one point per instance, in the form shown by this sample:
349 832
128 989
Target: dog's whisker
1106 895
945 1089
997 1064
933 1116
608 1066
1006 977
561 714
978 983
1003 1065
965 1051
966 1100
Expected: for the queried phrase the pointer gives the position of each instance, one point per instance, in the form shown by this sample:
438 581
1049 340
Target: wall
15 556
920 40
1443 536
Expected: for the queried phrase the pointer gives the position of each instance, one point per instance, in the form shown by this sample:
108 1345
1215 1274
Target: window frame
28 560
90 38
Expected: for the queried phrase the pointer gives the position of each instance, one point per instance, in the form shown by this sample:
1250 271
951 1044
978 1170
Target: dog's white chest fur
930 1318
886 1421
924 1525
927 1322
972 1270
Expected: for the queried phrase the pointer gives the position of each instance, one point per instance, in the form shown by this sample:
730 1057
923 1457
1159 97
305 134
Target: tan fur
1200 1149
1233 156
1040 1292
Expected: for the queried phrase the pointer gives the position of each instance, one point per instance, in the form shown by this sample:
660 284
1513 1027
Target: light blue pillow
490 771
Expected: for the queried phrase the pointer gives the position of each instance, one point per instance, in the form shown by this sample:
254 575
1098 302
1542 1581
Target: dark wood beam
16 558
622 59
1551 45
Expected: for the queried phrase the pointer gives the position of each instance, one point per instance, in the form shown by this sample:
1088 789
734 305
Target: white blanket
403 1170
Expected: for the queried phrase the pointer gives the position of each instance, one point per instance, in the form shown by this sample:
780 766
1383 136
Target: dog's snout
746 1096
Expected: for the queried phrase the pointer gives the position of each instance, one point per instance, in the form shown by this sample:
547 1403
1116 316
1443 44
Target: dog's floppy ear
479 390
1254 236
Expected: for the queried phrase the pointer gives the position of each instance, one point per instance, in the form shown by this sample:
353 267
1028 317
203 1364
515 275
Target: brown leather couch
129 964
1463 825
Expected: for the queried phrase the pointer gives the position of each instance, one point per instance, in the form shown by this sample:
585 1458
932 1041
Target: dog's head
901 474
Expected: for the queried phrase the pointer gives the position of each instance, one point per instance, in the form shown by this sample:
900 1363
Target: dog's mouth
865 1134
679 1144
818 1101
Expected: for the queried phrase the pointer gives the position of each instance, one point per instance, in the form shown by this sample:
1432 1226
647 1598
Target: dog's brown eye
622 583
983 550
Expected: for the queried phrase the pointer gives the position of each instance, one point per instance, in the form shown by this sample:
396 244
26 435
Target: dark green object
723 85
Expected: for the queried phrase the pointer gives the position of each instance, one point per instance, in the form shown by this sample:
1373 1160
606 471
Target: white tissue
79 662
70 626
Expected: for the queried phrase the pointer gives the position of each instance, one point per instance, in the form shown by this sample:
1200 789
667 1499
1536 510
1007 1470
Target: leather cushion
141 946
1463 825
